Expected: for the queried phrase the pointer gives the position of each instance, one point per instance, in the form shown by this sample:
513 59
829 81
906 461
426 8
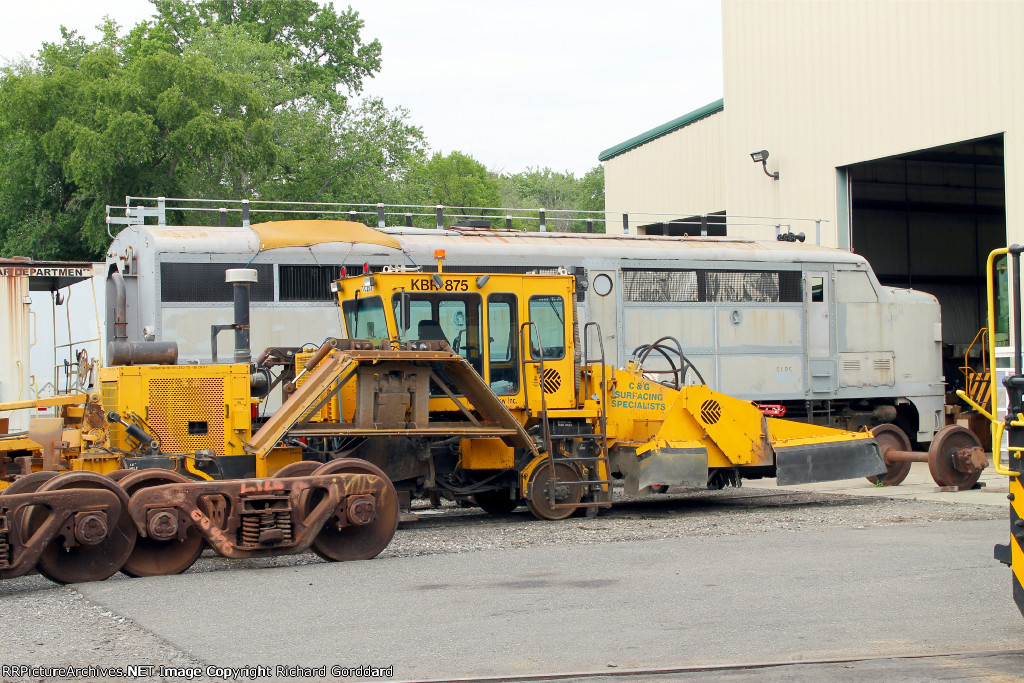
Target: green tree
322 46
210 99
557 192
455 180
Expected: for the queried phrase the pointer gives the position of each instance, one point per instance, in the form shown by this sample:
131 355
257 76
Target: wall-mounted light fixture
762 156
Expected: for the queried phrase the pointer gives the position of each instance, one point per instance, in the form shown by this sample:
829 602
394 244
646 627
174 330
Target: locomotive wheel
940 457
29 483
118 475
302 468
496 502
153 557
81 563
538 500
891 437
356 542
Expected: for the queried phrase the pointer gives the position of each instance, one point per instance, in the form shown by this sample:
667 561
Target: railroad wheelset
79 530
369 521
955 457
554 493
82 526
160 552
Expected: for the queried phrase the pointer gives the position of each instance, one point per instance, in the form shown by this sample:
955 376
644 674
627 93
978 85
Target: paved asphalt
904 589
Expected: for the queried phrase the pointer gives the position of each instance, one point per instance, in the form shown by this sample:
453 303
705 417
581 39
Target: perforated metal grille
725 286
551 380
108 393
710 412
660 285
174 402
740 286
331 412
204 282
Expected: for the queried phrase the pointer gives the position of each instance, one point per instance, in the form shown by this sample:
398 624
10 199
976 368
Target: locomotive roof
468 243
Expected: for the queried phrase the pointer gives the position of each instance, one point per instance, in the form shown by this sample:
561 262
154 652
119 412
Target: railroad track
759 669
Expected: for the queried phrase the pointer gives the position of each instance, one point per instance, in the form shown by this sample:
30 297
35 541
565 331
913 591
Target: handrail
997 426
137 209
523 349
966 367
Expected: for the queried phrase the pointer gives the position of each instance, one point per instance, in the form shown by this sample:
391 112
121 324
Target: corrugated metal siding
679 175
827 84
822 85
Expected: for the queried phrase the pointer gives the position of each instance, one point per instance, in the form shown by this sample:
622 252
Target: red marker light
366 268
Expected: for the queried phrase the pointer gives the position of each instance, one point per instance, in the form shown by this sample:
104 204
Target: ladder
592 460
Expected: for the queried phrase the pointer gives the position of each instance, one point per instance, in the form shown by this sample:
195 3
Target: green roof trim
664 129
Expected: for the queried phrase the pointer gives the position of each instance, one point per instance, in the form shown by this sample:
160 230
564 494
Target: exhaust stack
240 279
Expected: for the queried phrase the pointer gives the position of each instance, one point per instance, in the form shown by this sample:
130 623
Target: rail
137 210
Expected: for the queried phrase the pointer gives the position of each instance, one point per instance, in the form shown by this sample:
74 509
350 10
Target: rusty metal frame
222 524
22 554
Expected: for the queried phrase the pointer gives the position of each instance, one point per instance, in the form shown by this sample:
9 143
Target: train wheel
496 502
356 542
539 501
29 483
84 562
154 557
302 468
118 475
952 447
891 437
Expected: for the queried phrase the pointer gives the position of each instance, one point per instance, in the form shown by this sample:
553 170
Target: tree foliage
218 98
225 99
554 191
455 180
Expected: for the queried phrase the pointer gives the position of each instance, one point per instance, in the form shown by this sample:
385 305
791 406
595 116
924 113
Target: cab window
455 319
547 312
364 318
502 350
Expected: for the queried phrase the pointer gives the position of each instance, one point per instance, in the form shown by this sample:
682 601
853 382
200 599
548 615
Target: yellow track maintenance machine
477 386
1012 425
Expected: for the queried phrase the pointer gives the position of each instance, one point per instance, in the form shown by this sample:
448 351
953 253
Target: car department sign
45 271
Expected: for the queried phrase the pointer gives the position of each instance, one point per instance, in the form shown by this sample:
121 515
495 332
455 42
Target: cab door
550 339
603 307
821 357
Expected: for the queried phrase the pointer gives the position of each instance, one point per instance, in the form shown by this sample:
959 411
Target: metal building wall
822 85
827 84
678 175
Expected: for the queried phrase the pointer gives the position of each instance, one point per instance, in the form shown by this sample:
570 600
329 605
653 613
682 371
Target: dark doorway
928 220
712 225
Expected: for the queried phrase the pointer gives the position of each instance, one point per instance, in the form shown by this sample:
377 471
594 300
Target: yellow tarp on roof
305 233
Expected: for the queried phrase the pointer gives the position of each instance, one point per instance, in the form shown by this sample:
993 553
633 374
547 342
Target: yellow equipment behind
1013 424
198 413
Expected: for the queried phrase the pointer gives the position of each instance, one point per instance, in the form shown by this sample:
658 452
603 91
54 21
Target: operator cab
483 318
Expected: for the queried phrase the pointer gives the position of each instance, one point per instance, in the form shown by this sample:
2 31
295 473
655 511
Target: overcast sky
514 84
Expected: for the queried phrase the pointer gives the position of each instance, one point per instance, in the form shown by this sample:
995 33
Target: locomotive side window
502 355
548 313
817 289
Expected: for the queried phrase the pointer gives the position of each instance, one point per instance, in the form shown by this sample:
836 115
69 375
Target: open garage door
928 220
